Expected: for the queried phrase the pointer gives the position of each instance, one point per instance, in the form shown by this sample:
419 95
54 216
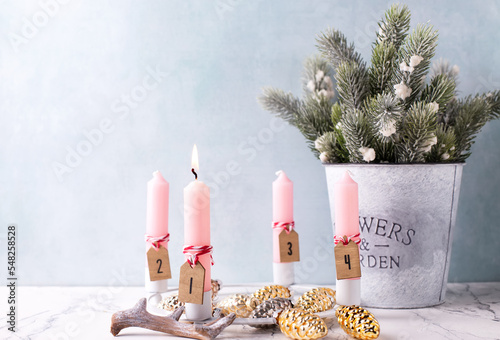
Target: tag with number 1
192 283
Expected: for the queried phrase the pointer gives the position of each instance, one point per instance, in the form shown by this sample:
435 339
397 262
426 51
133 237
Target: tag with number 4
289 246
347 261
159 264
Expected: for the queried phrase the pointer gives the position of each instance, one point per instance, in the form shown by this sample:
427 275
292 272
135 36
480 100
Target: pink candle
197 218
156 223
346 207
282 207
157 207
347 224
283 272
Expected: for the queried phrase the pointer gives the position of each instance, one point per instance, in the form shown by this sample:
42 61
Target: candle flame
194 159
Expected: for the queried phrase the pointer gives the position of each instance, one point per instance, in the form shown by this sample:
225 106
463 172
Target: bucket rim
382 165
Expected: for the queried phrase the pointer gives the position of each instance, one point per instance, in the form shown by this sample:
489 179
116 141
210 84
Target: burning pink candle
283 272
197 234
347 224
156 224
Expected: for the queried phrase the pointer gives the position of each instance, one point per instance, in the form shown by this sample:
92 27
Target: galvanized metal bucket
407 215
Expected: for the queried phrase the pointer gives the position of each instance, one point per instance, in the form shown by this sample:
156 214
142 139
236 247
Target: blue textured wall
156 77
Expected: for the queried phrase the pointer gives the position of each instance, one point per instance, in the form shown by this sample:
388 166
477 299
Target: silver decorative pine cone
267 308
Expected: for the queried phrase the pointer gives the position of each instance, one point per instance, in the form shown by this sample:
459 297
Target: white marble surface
472 311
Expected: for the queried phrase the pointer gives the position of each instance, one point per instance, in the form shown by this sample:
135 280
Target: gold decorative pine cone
238 304
358 322
269 292
170 303
327 291
298 324
317 300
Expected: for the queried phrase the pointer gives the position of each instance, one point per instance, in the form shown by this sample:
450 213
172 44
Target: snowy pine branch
414 58
284 105
444 149
394 27
385 113
314 119
333 45
317 78
358 135
352 84
382 68
417 134
440 90
442 66
473 113
493 99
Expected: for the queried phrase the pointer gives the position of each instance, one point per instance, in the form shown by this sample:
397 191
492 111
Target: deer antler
138 316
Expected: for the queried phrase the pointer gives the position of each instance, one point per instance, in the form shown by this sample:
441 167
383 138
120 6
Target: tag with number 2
159 264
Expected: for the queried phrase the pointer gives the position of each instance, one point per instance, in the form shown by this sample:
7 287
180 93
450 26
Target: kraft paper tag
347 260
158 264
192 283
289 246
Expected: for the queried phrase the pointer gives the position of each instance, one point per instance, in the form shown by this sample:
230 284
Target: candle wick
195 174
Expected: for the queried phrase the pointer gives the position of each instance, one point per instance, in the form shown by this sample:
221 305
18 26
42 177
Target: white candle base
283 273
153 300
202 312
348 292
160 286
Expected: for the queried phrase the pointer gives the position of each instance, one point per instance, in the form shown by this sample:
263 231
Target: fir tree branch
473 113
422 43
327 146
440 90
417 133
333 45
381 70
357 133
284 105
444 149
394 27
312 83
384 111
442 66
384 149
342 153
352 84
449 116
493 99
314 120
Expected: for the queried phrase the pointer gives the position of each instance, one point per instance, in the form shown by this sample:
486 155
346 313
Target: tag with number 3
289 246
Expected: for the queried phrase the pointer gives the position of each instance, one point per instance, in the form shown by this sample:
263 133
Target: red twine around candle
156 240
345 240
193 253
287 226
